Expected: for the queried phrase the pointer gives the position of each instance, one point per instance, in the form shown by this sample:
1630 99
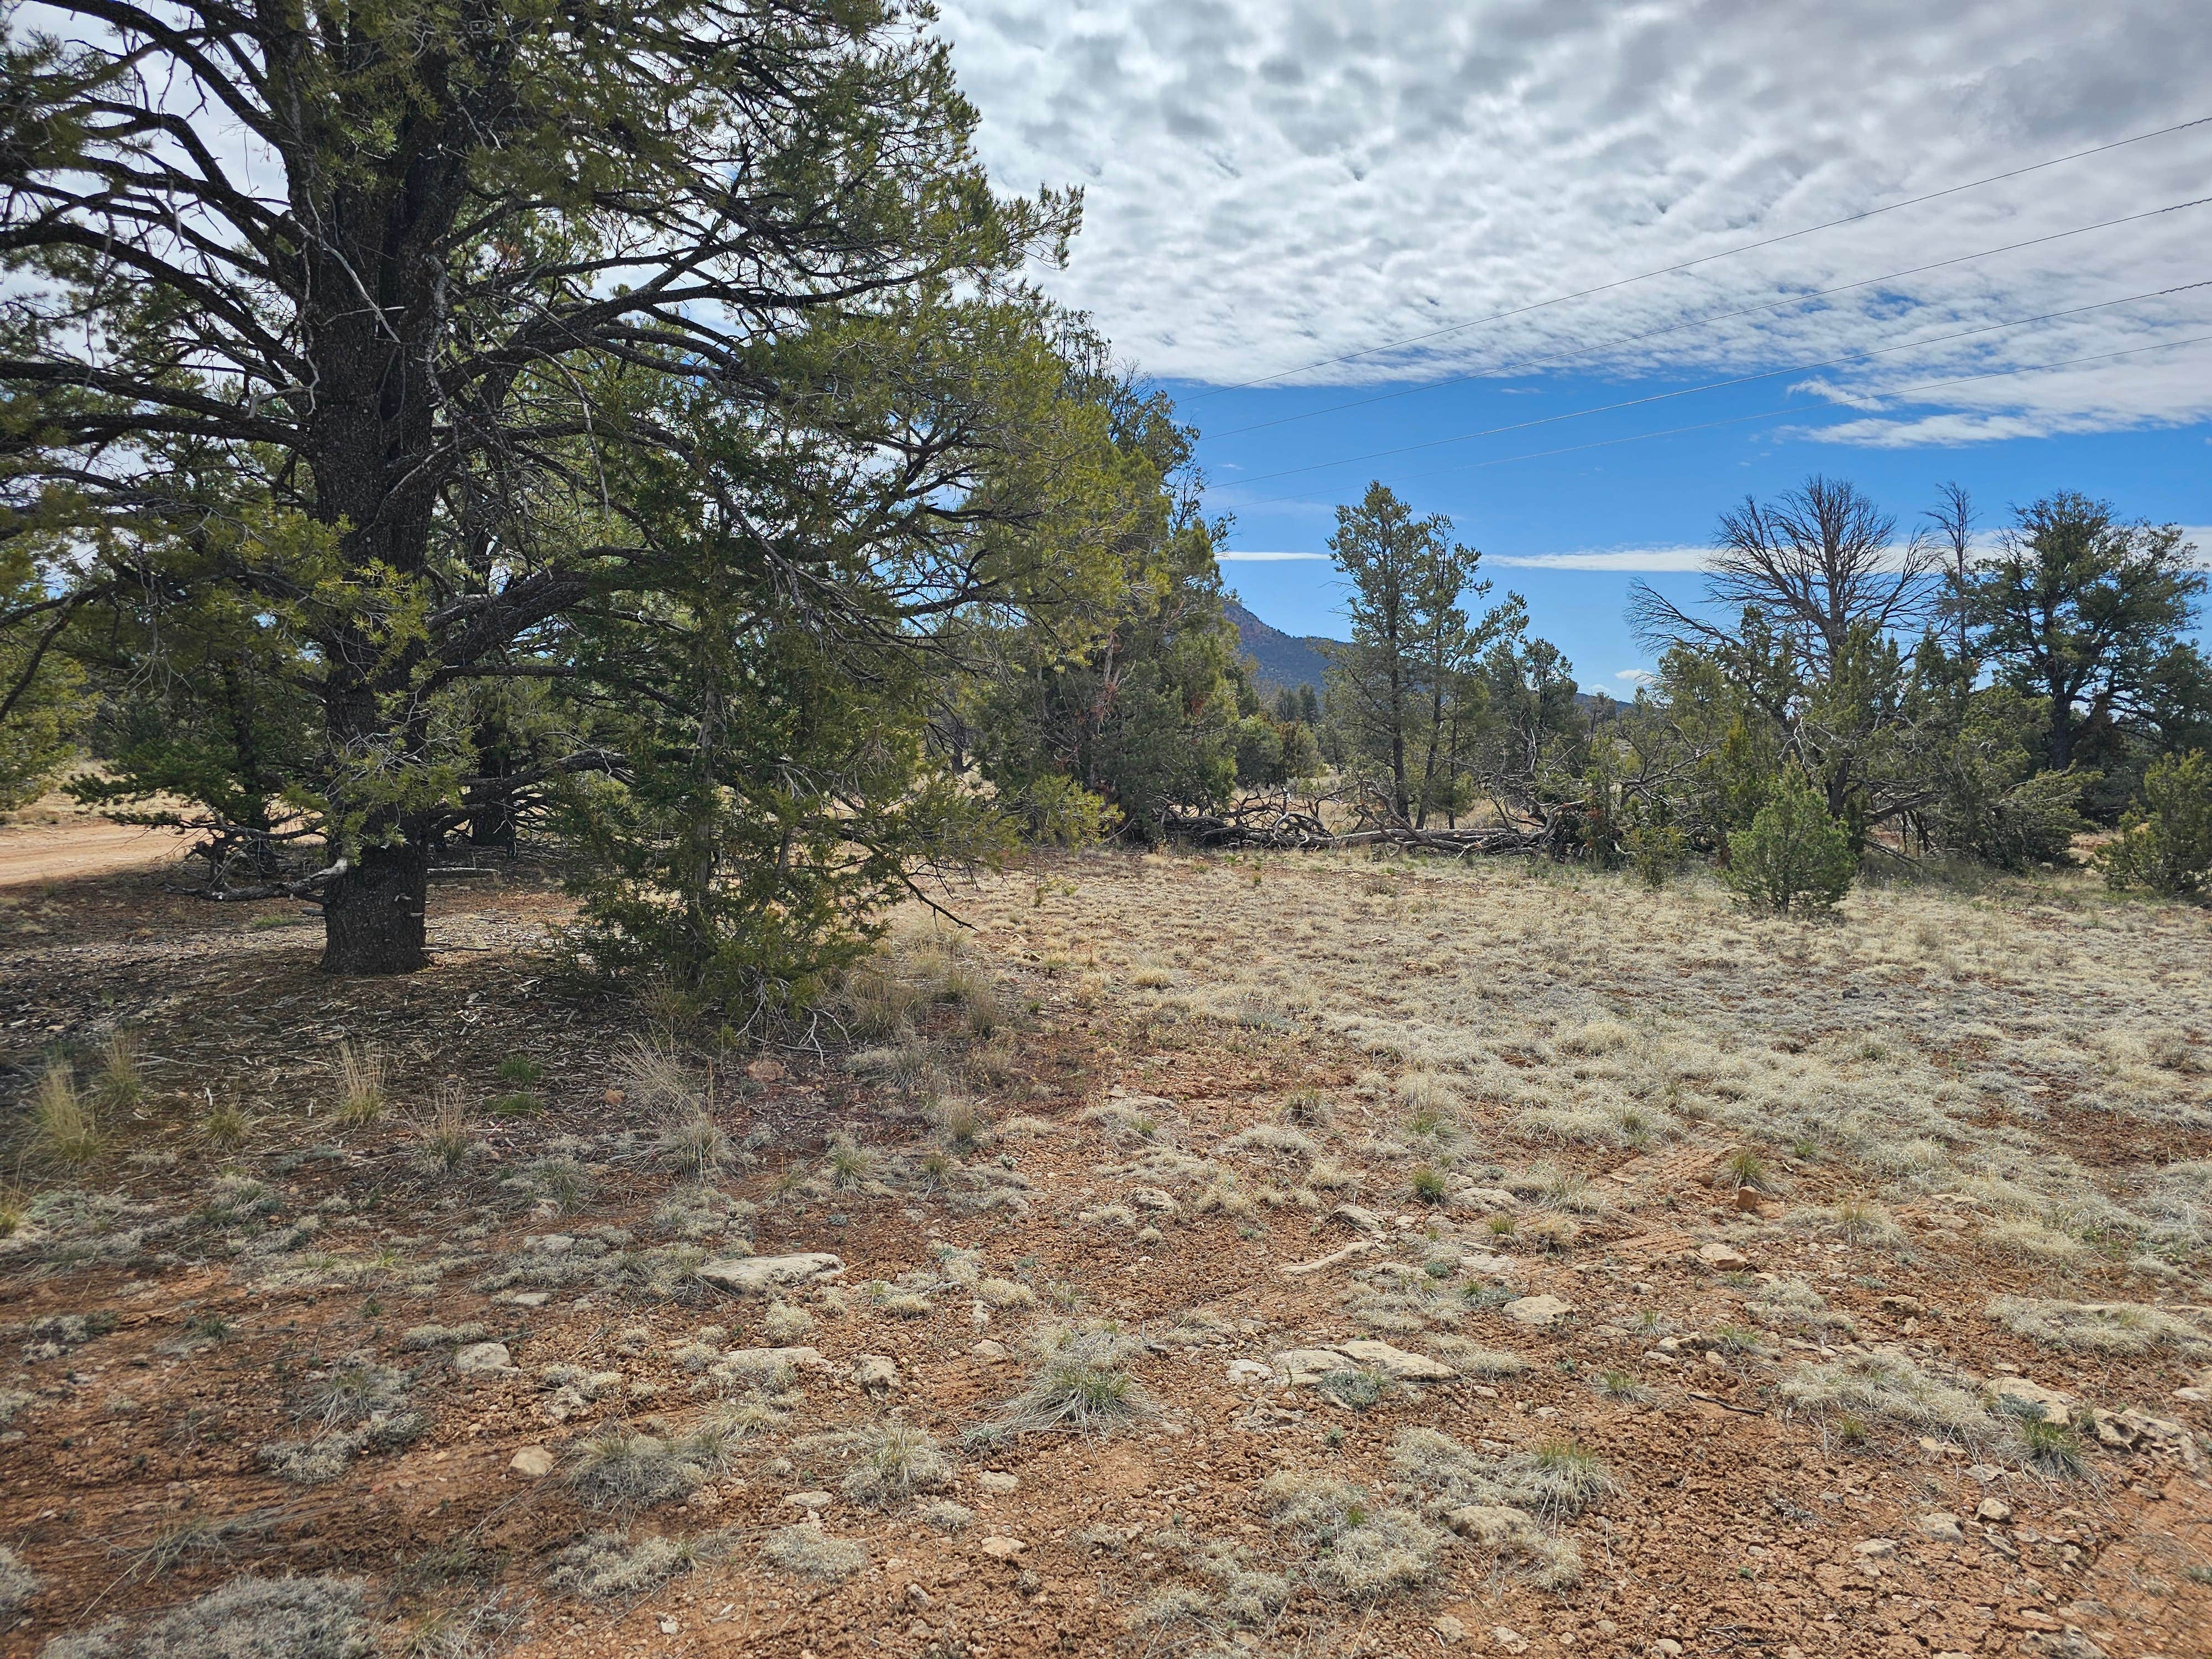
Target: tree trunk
372 914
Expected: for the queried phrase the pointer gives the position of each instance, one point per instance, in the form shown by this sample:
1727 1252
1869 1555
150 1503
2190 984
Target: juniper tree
312 303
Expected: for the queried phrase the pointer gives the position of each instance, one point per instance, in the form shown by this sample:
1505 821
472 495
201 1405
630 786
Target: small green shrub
1794 857
2165 841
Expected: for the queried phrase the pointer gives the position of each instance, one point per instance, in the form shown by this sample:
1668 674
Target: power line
1702 322
1768 414
1688 264
1717 385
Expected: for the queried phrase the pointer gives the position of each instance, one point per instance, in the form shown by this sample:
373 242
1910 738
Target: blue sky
1285 188
1646 503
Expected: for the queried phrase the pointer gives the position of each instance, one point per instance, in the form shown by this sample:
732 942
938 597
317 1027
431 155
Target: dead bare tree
1818 563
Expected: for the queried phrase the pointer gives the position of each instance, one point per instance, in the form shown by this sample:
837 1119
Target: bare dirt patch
1319 1257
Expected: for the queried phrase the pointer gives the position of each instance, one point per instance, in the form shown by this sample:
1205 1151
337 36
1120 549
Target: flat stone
1153 1199
1992 1513
1875 1549
1448 1630
1002 1549
531 1462
1941 1525
756 1275
481 1357
1244 1372
1508 1640
1537 1311
876 1373
2031 1399
1395 1363
812 1502
1356 1216
1985 1473
996 1480
1492 1524
1488 1264
988 1350
1485 1198
525 1298
1722 1258
2193 1396
1304 1365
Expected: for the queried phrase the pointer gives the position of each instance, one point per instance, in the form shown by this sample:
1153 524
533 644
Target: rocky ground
1312 1258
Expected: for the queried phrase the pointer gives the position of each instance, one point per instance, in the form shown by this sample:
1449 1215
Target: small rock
756 1275
526 1298
1942 1526
481 1357
1508 1641
1667 1646
2193 1396
1985 1473
811 1501
1356 1216
1904 1307
1002 1549
986 1349
531 1462
876 1373
1537 1311
1154 1199
1395 1363
915 1594
1448 1630
1244 1372
1992 1513
1875 1549
1487 1264
994 1480
765 1070
2029 1400
1747 1200
1493 1524
669 1627
1722 1258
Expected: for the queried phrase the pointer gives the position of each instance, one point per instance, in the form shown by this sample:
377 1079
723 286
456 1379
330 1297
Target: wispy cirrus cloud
1320 177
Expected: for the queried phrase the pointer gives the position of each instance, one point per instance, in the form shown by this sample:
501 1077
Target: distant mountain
1282 659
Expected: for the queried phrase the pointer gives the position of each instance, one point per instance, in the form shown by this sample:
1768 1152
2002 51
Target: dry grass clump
2029 1238
1556 1478
1595 1037
252 1618
363 1085
1794 1305
65 1124
607 1564
1855 1220
1081 1385
617 1467
1361 1552
2099 1327
807 1551
18 1583
224 1125
1470 1358
892 1461
119 1084
1237 1591
1889 1388
443 1143
944 1515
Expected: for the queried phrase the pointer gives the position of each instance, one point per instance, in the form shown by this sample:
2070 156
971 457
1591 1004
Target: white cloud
1256 558
1637 676
1638 558
1272 182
